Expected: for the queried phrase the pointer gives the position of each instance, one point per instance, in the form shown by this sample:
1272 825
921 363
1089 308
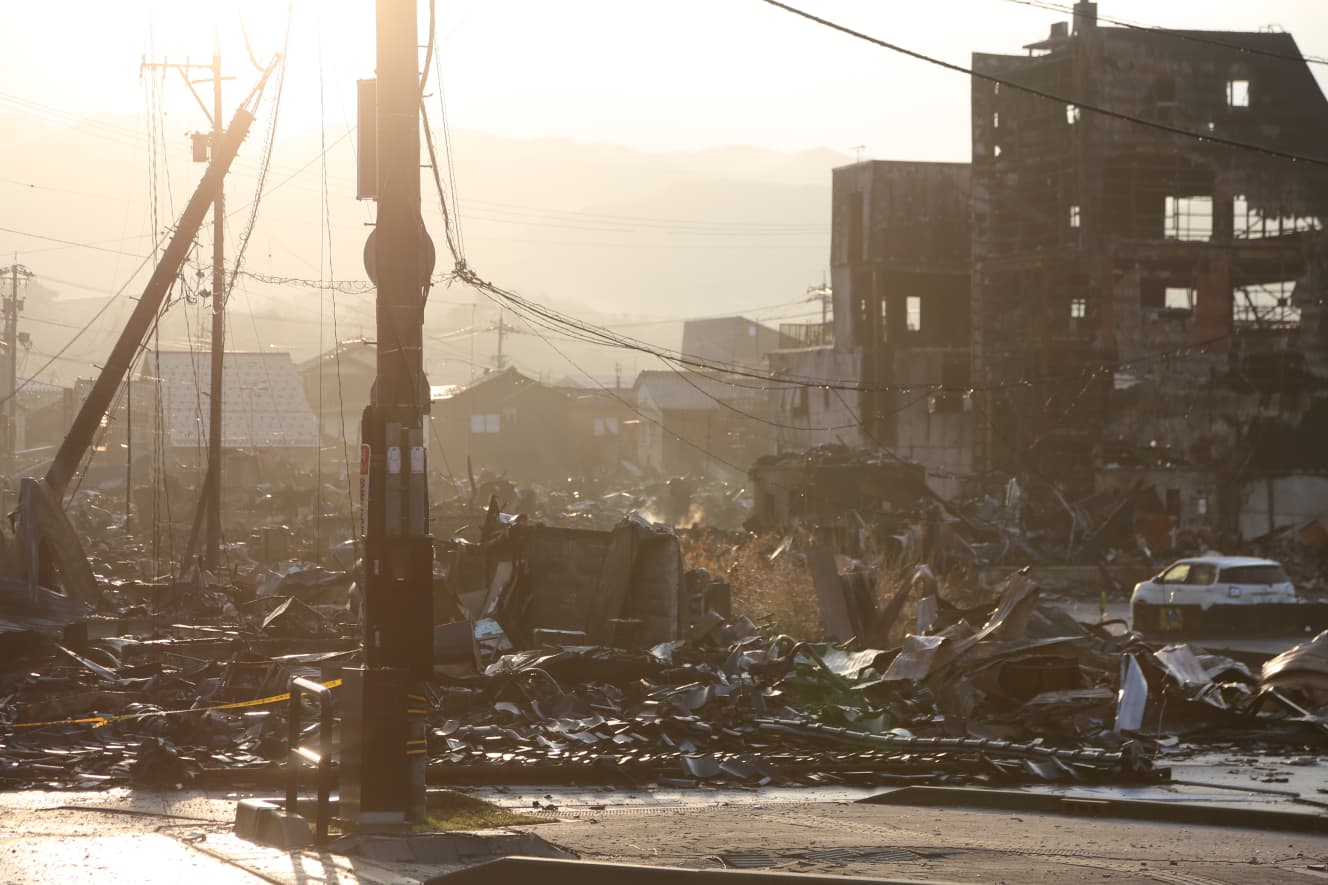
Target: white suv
1211 595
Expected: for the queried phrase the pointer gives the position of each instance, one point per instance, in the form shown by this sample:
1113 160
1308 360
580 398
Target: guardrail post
299 755
293 744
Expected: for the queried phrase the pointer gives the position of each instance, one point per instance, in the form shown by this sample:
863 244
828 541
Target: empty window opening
1078 308
1189 218
484 423
860 300
1251 224
856 237
1238 93
996 151
1178 298
1071 114
913 308
1244 224
1074 216
996 120
885 326
799 406
1267 304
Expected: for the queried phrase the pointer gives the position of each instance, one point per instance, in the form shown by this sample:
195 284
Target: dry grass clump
779 592
450 811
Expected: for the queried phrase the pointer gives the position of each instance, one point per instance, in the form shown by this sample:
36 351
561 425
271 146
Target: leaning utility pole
210 502
384 703
13 304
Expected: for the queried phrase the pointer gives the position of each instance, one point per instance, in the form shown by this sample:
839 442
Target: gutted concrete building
1145 300
1100 302
900 270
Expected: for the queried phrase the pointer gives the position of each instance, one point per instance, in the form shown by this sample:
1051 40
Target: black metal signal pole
384 757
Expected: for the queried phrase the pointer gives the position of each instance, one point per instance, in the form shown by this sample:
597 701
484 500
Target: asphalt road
150 837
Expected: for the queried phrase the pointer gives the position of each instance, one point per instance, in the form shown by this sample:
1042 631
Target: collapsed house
624 587
1095 303
822 485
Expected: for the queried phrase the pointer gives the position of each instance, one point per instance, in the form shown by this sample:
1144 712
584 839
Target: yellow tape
99 721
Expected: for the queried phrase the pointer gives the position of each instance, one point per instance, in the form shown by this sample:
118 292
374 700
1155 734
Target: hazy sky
670 75
667 74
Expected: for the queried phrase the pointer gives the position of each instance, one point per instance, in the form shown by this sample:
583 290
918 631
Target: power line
591 334
75 243
1049 96
1190 36
59 354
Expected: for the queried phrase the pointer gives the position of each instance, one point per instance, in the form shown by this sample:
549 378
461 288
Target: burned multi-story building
1106 300
900 270
1147 292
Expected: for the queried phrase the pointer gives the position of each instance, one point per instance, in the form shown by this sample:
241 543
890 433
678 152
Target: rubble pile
593 503
166 680
580 655
1027 695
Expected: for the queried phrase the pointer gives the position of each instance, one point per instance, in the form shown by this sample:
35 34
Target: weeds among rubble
773 590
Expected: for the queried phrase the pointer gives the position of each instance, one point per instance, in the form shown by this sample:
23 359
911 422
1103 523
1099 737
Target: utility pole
383 743
498 360
13 304
824 294
204 147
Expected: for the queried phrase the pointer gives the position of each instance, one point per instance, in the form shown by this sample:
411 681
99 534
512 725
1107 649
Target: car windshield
1254 574
1190 573
1201 573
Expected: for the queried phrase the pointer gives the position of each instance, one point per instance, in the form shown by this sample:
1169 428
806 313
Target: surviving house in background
1144 301
600 414
506 423
698 423
731 341
341 380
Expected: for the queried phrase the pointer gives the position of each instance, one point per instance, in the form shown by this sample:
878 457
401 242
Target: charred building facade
900 270
1143 300
1100 301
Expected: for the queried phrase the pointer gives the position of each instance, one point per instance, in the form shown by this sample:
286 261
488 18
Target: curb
259 820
